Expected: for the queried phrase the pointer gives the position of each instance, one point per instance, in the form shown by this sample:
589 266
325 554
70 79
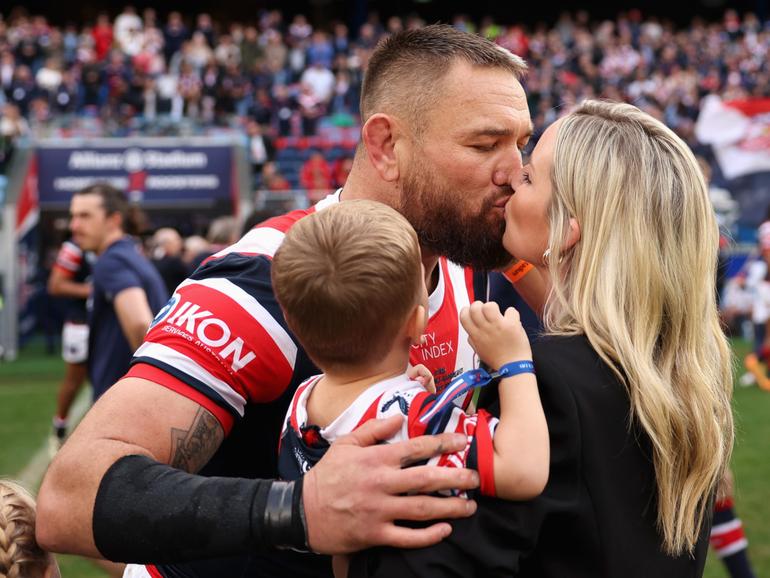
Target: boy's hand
423 376
498 339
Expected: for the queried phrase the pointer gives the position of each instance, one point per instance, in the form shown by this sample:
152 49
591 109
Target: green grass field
27 400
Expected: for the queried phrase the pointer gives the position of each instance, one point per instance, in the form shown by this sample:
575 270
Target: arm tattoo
192 448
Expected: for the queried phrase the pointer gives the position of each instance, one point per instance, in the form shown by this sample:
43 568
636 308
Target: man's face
455 182
89 223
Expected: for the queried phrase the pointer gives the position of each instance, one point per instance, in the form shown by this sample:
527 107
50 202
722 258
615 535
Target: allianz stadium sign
153 173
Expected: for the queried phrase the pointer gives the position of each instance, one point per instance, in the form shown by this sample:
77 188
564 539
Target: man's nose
508 168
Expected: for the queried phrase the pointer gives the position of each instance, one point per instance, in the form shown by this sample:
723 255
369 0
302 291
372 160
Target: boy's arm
521 450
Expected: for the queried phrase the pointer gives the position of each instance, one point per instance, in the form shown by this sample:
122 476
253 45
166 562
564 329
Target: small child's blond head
20 555
347 277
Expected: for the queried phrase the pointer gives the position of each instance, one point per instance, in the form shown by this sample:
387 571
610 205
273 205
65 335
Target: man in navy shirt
127 289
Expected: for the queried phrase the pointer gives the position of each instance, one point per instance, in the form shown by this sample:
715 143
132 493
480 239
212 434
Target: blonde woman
20 555
634 370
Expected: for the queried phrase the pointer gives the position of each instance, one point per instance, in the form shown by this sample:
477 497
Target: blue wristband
464 383
514 368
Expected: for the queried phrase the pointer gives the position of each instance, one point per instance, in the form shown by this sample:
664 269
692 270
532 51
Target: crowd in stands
286 84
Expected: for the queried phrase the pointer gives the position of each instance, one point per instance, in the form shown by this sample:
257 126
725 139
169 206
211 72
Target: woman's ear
573 235
379 135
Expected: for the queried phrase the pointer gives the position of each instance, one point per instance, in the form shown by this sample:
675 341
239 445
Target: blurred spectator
311 109
7 68
284 107
12 126
128 25
300 29
320 52
194 246
320 81
205 26
227 52
250 49
223 232
166 256
174 35
102 35
22 88
316 175
272 180
260 146
342 169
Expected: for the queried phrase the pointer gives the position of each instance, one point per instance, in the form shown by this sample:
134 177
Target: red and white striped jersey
222 341
69 259
303 444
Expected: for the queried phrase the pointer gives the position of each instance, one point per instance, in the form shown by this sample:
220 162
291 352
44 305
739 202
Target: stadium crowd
281 78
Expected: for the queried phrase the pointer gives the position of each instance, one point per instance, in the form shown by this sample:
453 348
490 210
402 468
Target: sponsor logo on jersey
200 325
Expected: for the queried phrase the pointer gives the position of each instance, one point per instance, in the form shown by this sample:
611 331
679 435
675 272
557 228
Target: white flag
738 131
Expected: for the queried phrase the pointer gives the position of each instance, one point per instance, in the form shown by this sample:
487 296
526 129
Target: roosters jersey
304 444
76 266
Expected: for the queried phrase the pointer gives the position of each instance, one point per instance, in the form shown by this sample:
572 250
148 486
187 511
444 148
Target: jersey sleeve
69 259
221 340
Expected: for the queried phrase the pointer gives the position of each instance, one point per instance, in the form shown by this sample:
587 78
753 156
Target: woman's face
526 214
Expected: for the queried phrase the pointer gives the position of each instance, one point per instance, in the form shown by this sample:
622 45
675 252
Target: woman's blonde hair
640 284
20 555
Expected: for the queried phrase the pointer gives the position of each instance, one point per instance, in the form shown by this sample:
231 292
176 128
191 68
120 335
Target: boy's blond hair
346 278
20 555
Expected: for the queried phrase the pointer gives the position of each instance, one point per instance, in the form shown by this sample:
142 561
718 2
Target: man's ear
573 235
415 324
116 220
379 135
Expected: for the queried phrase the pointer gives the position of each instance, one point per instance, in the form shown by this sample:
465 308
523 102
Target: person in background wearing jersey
350 283
127 289
70 278
208 390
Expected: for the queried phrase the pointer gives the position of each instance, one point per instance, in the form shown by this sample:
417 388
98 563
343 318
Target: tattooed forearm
192 448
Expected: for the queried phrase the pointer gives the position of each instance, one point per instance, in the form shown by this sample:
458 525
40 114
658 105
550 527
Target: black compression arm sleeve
147 512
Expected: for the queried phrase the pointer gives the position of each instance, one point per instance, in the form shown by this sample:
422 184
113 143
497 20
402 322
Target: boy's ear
289 323
380 133
415 325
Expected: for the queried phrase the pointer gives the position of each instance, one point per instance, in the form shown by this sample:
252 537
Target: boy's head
349 280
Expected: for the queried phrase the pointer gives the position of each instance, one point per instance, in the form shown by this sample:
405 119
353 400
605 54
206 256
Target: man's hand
355 493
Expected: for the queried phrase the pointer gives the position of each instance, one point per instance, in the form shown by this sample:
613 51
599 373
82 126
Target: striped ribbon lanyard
475 378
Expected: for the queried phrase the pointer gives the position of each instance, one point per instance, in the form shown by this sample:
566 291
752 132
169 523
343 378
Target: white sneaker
747 380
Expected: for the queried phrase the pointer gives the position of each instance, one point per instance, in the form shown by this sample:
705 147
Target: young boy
352 288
